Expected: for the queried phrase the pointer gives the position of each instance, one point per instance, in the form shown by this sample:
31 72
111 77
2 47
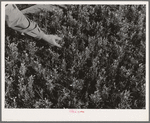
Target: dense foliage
101 63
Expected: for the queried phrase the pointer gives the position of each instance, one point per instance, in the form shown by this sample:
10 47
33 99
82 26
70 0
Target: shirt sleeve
19 22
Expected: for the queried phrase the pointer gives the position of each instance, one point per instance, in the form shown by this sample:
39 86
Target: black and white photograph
75 57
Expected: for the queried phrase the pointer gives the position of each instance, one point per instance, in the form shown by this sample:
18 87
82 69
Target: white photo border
65 114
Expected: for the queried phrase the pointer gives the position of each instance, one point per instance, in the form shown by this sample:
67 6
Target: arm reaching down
19 22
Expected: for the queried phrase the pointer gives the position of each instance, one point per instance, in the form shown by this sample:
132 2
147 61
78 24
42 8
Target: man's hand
52 39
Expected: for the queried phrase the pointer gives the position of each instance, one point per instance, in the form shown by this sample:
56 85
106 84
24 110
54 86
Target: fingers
52 39
58 38
57 45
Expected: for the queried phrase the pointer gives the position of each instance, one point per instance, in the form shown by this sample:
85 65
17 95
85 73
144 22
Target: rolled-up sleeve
19 22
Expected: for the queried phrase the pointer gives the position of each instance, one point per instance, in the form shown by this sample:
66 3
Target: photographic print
75 57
